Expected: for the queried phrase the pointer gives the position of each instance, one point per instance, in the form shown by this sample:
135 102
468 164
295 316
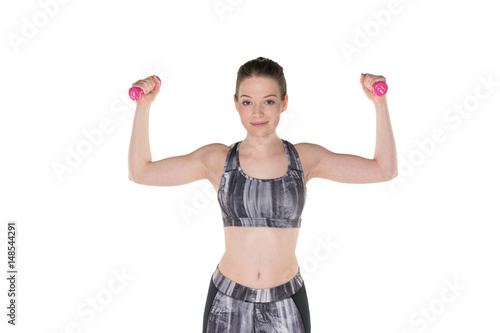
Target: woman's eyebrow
263 97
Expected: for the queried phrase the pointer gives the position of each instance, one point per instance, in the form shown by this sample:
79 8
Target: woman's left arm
346 168
385 146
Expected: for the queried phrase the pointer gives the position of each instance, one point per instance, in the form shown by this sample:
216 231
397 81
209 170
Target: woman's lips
259 124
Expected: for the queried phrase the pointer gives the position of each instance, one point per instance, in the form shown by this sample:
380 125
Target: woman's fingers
367 81
363 83
147 84
370 79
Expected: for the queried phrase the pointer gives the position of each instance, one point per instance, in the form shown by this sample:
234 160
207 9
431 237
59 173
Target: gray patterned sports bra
252 202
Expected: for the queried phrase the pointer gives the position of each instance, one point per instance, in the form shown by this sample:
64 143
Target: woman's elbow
131 178
391 175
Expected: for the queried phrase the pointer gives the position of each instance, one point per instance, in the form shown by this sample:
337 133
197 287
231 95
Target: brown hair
262 67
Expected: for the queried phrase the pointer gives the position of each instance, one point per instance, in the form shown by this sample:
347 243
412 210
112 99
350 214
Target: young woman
261 185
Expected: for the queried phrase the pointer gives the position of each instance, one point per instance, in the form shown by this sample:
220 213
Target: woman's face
259 102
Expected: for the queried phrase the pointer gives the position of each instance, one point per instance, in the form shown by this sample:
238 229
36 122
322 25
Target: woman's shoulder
214 154
217 147
214 149
309 153
304 148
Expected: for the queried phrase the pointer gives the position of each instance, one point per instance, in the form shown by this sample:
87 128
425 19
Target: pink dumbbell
380 88
135 92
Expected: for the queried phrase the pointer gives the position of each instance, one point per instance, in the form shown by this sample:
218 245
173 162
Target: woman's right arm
171 171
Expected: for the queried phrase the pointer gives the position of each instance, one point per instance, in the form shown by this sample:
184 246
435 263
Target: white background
398 242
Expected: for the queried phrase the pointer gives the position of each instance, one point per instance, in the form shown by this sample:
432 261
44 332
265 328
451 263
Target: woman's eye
269 102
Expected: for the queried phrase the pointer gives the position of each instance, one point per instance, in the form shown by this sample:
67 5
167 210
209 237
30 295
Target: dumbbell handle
380 88
135 92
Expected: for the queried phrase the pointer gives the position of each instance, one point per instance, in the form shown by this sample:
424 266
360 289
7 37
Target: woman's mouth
259 124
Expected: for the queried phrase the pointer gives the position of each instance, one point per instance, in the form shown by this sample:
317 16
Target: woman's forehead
258 86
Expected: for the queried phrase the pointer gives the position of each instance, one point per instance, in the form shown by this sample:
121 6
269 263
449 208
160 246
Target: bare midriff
259 257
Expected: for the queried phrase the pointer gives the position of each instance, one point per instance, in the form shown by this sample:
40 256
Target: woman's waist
259 271
256 293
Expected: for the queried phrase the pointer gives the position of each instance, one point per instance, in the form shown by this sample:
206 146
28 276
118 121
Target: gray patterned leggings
234 308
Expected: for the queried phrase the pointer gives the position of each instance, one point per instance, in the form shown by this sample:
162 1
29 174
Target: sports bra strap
231 161
294 157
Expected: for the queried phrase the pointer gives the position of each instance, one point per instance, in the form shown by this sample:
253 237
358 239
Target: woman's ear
284 103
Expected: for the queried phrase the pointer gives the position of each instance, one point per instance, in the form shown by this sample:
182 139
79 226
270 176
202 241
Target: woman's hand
150 87
367 81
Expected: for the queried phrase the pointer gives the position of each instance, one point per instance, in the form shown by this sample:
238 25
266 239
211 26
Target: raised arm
171 171
139 153
346 168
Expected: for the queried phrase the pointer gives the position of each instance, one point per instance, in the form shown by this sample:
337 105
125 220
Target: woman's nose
257 111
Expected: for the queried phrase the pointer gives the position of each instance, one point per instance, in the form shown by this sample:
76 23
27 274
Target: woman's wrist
380 102
143 107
